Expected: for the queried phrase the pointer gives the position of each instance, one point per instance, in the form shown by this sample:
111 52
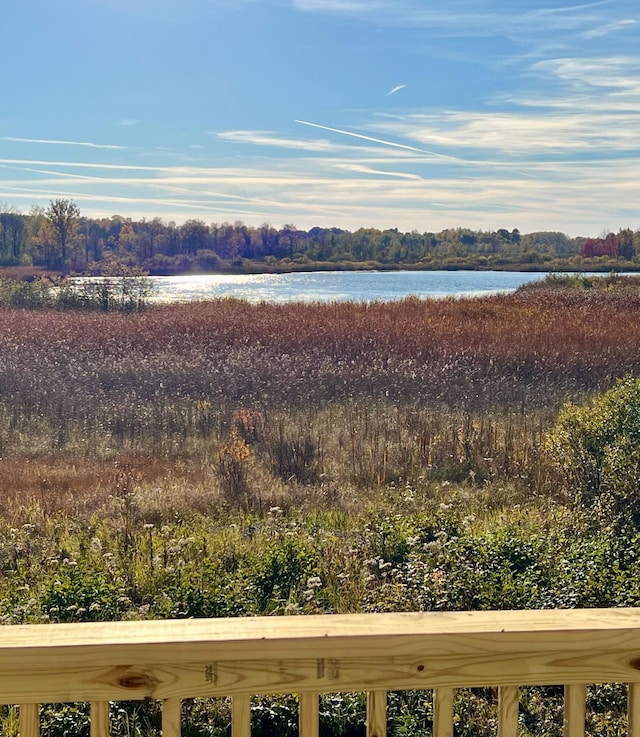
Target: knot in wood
135 681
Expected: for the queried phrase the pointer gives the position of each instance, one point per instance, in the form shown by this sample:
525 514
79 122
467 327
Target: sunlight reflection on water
337 286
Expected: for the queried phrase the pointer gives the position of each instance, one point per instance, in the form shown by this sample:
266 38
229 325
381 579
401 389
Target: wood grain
241 716
171 717
633 710
101 662
507 711
574 710
100 719
309 715
443 712
29 720
377 714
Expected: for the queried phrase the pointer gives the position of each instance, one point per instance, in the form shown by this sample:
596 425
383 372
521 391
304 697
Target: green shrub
596 449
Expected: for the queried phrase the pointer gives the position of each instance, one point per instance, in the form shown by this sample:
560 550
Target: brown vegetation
222 396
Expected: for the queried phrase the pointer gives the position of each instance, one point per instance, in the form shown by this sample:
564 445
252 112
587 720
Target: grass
228 459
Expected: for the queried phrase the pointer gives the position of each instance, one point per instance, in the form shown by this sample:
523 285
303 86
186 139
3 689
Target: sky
409 114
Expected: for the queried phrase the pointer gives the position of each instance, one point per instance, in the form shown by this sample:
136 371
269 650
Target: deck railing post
29 720
443 712
172 717
574 710
508 711
633 710
100 719
309 715
241 716
377 714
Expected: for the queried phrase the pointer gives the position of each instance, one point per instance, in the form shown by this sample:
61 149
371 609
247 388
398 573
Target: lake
338 286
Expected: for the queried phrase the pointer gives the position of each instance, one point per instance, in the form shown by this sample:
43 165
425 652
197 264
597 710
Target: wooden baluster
443 712
29 720
574 710
309 715
377 714
241 716
633 710
100 719
172 717
507 711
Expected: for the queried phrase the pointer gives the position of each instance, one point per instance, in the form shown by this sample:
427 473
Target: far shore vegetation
59 239
228 459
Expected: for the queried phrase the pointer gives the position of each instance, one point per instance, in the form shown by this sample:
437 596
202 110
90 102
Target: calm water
338 286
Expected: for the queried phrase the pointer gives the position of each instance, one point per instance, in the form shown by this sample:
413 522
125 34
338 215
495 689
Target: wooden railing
311 655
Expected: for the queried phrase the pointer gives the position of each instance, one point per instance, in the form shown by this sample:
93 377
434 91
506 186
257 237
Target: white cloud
587 72
519 135
472 18
269 138
336 6
604 30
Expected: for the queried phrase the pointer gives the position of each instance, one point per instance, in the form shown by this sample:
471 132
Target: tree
12 235
127 240
551 242
601 247
194 236
148 232
626 248
63 217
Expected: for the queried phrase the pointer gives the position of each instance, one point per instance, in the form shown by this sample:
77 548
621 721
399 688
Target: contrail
360 135
382 141
436 155
61 143
396 89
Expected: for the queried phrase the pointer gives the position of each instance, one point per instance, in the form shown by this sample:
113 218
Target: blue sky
412 114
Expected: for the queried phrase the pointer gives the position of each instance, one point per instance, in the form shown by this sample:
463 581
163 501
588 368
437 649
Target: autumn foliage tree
608 246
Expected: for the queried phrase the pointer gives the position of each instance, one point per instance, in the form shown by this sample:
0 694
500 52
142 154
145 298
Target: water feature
338 286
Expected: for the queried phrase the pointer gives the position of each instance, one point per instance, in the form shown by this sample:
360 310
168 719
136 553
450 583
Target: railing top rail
164 659
238 631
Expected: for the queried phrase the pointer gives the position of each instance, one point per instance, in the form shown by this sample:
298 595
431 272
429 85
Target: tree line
60 237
